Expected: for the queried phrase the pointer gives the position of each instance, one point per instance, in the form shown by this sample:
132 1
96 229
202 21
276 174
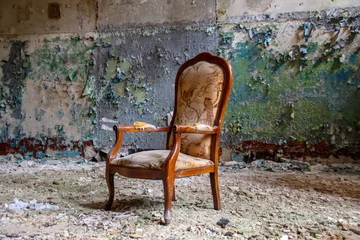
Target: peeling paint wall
41 95
71 69
302 91
133 69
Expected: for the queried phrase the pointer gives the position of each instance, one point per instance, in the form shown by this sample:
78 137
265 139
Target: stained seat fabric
154 159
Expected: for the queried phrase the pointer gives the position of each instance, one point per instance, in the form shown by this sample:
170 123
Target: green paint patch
119 89
72 76
351 113
75 40
125 82
87 90
111 66
139 94
125 67
26 62
60 59
308 115
312 47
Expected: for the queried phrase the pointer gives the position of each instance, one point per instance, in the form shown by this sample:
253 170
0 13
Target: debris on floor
291 165
223 222
32 205
260 200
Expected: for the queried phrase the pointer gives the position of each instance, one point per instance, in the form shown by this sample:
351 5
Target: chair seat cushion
155 158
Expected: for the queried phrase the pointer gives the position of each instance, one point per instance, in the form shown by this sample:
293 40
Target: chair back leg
214 180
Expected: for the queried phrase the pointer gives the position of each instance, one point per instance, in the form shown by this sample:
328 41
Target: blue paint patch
14 144
23 148
237 157
246 50
352 58
28 155
60 114
68 153
341 76
40 154
39 114
226 39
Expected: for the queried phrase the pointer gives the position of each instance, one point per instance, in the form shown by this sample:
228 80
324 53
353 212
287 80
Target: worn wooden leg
215 189
110 183
168 194
174 196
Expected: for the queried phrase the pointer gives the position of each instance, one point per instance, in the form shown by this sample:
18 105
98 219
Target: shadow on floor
126 203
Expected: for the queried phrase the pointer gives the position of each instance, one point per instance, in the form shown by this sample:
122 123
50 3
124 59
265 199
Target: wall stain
259 5
37 148
15 70
23 12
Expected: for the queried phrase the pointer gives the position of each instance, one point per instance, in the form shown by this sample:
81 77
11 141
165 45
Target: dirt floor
261 200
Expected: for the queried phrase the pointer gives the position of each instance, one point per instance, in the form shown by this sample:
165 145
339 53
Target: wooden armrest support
170 161
120 129
194 129
132 128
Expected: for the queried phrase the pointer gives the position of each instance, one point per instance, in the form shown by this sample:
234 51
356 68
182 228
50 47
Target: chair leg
110 183
168 195
215 189
174 196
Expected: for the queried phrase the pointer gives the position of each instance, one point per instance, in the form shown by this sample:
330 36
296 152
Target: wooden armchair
202 89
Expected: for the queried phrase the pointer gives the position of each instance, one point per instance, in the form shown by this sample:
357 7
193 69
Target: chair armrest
170 161
132 128
120 129
196 129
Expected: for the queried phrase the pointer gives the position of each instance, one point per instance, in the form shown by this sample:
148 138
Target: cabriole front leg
110 183
168 195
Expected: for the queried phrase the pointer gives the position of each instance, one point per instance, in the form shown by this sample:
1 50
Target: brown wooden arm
194 129
170 161
120 129
132 128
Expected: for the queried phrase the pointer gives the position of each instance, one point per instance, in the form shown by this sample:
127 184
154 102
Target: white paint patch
52 100
106 128
104 119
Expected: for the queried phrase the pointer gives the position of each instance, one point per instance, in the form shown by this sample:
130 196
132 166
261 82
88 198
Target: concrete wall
24 17
70 69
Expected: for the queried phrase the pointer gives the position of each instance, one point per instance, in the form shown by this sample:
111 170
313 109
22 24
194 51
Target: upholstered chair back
199 94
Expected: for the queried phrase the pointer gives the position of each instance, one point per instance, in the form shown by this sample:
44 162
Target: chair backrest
202 89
